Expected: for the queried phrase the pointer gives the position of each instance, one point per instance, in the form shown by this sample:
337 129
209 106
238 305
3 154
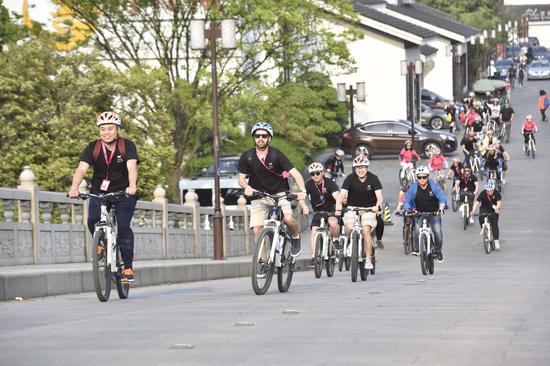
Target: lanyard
321 192
107 161
489 199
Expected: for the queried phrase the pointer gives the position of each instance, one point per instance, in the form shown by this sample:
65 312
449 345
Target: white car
539 70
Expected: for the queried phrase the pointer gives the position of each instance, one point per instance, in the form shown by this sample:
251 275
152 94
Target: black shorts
316 220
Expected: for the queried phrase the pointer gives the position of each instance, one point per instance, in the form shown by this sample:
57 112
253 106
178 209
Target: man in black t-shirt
115 161
507 116
467 185
267 170
361 189
469 145
489 200
322 195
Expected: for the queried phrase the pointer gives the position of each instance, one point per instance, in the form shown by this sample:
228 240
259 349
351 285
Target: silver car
539 70
433 118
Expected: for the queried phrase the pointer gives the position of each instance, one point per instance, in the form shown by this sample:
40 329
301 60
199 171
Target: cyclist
114 160
489 202
488 140
507 115
468 185
505 158
493 161
437 162
455 169
334 164
529 127
268 169
322 195
477 125
361 189
406 157
469 145
495 111
425 196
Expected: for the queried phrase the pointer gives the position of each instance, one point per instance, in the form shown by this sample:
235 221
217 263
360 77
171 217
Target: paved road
477 309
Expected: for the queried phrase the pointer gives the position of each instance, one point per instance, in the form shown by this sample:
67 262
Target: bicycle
107 262
455 200
273 249
343 251
425 239
495 176
530 147
357 247
324 248
408 233
407 175
505 131
465 208
440 179
488 240
475 163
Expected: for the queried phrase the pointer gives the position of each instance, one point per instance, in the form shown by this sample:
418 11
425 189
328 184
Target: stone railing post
83 188
192 200
241 204
26 178
159 195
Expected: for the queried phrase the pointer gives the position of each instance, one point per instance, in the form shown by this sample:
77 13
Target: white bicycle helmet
490 185
315 167
422 170
360 160
339 152
529 117
436 151
262 126
107 118
456 160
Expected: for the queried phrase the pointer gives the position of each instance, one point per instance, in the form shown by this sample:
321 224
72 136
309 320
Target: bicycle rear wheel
373 261
354 256
262 270
318 268
122 288
431 257
465 214
407 239
286 271
454 202
342 255
101 270
330 263
487 240
423 255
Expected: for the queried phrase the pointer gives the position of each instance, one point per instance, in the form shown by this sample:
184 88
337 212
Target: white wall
440 78
541 30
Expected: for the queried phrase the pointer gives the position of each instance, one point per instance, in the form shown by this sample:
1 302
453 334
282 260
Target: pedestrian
512 75
521 76
115 161
543 105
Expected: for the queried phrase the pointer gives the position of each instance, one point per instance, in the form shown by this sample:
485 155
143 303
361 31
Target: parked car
434 100
502 67
433 118
513 51
538 70
387 137
204 183
540 53
533 41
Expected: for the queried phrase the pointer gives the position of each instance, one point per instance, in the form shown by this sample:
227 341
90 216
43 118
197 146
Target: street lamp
226 31
342 94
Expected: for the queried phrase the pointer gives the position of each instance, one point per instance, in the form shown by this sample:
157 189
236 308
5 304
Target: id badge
105 185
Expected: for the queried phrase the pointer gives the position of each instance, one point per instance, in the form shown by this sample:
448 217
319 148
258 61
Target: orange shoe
128 275
100 252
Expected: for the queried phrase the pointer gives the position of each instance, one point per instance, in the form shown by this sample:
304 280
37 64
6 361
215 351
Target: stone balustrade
38 227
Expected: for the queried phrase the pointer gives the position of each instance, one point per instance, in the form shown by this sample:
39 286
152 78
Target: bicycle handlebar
356 208
424 214
276 197
101 196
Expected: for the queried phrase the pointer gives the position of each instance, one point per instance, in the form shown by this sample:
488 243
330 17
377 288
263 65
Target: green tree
10 32
274 35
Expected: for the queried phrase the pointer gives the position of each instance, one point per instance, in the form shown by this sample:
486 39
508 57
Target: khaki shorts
367 218
260 209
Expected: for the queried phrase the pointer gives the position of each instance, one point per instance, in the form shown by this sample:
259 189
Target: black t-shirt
362 194
425 200
491 161
334 165
468 182
457 170
321 196
118 171
266 178
487 202
506 113
469 144
477 126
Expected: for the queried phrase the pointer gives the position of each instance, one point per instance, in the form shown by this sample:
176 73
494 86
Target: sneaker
504 181
311 263
379 245
497 244
439 256
368 264
262 273
417 253
471 220
100 252
336 243
128 275
296 249
481 232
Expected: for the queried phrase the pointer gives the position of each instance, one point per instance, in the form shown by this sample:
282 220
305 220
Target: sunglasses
422 177
315 174
261 136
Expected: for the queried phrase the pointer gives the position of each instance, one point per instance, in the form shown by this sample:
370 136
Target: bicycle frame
426 230
327 238
274 221
107 223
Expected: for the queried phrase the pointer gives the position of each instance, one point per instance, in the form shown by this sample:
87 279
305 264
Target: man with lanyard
493 161
268 170
489 200
322 195
114 171
425 195
505 158
361 189
469 144
467 185
507 116
334 164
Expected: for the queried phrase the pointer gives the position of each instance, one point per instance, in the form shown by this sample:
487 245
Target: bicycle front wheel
407 239
532 148
122 288
318 256
423 243
286 271
354 256
330 263
101 270
454 202
487 240
262 269
465 213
